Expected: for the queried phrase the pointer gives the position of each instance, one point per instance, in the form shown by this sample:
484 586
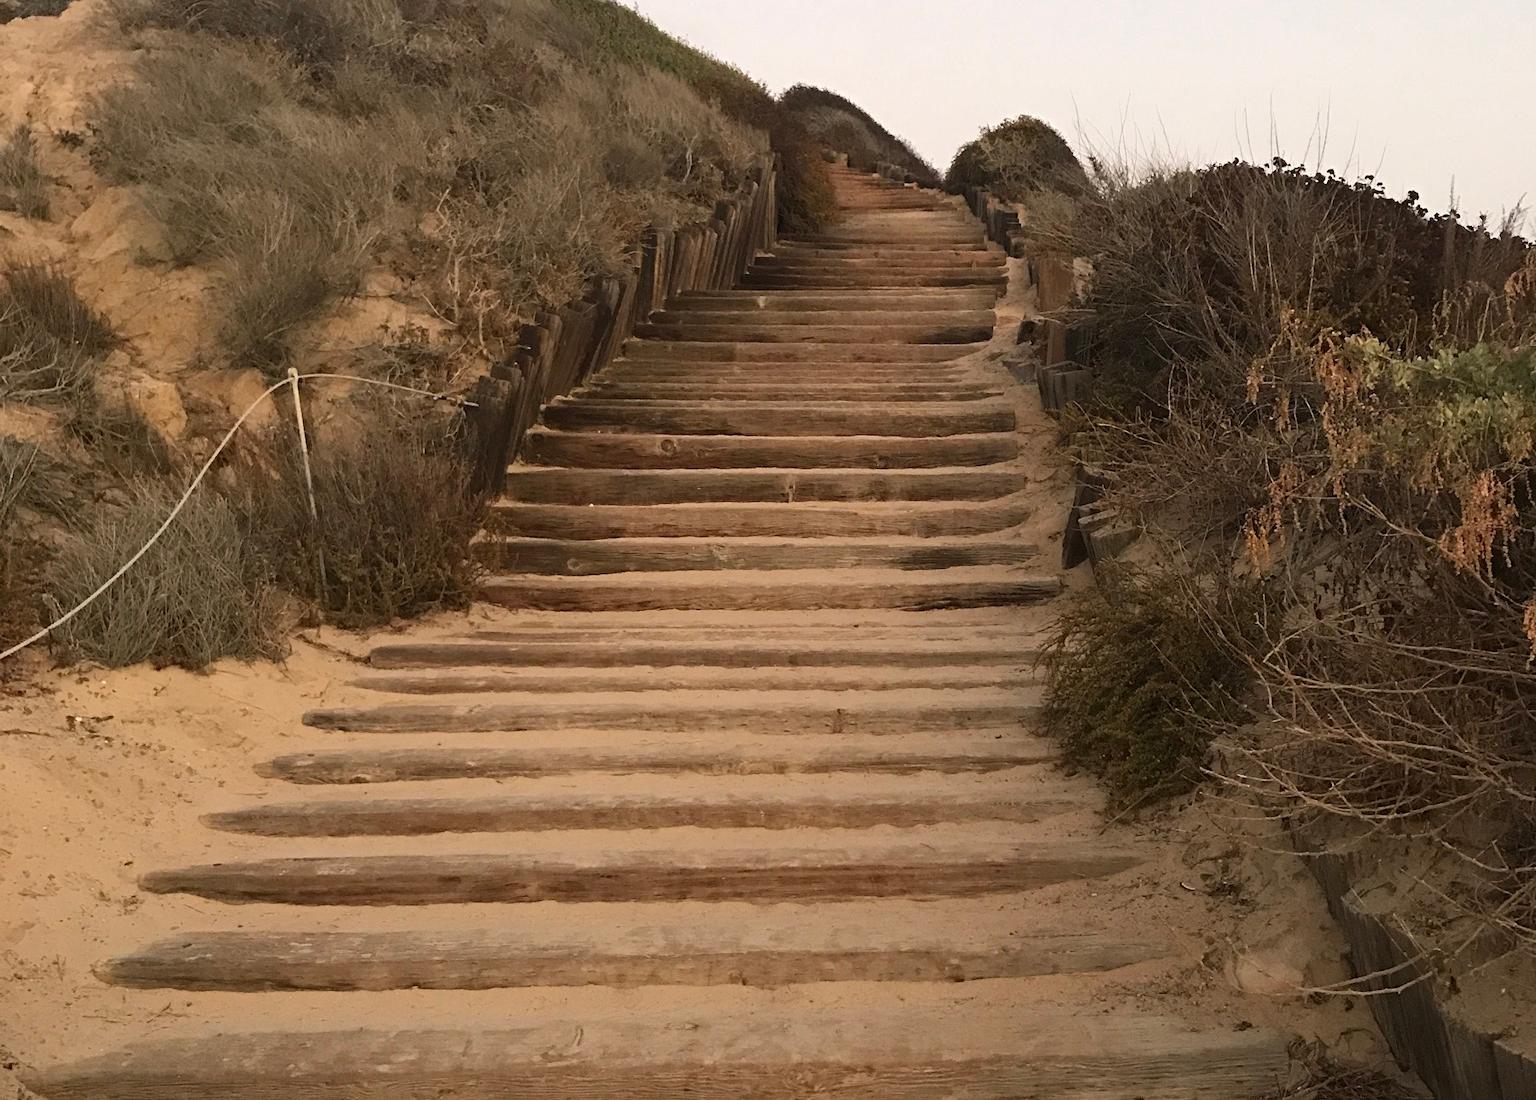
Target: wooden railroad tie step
763 712
661 451
868 869
582 753
977 1048
555 485
702 951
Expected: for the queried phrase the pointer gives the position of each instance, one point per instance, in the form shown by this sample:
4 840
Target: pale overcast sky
1420 92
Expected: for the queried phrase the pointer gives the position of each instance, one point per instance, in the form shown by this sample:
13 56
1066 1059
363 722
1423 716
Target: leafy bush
393 533
843 126
189 601
51 341
1140 680
1016 159
23 187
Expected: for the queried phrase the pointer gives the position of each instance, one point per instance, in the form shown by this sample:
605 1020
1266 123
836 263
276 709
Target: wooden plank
557 485
746 418
674 452
912 519
898 754
759 712
970 1051
923 805
590 557
785 590
728 351
759 874
764 654
674 954
955 332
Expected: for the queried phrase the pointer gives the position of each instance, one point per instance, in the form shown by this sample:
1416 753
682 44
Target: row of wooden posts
561 348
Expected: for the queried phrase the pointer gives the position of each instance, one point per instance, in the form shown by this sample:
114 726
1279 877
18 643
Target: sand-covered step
626 753
764 519
544 655
787 391
733 351
748 418
558 485
781 946
783 590
885 301
704 802
1000 1047
657 451
753 712
591 557
841 315
995 672
957 330
857 864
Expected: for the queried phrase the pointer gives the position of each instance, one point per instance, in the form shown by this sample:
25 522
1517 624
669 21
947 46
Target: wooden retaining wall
561 348
1454 1060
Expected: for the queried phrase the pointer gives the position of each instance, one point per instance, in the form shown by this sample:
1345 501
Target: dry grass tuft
23 187
393 535
27 9
51 341
190 601
1017 160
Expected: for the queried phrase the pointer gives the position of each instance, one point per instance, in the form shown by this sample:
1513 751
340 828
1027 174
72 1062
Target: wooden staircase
742 799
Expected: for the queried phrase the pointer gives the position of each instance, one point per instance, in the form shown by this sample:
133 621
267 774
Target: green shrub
394 527
23 187
51 341
1140 680
189 601
1017 158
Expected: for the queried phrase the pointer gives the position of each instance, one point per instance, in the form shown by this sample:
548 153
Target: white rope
292 379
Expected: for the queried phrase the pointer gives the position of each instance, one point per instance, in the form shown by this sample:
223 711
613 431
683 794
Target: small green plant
23 187
1139 682
191 600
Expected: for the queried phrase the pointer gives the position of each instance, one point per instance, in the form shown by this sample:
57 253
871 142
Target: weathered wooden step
909 264
699 952
801 393
843 418
784 590
924 802
830 244
759 652
975 1048
590 557
801 519
769 280
730 351
641 372
548 447
859 868
837 316
626 753
994 672
752 303
558 485
755 712
896 254
958 331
